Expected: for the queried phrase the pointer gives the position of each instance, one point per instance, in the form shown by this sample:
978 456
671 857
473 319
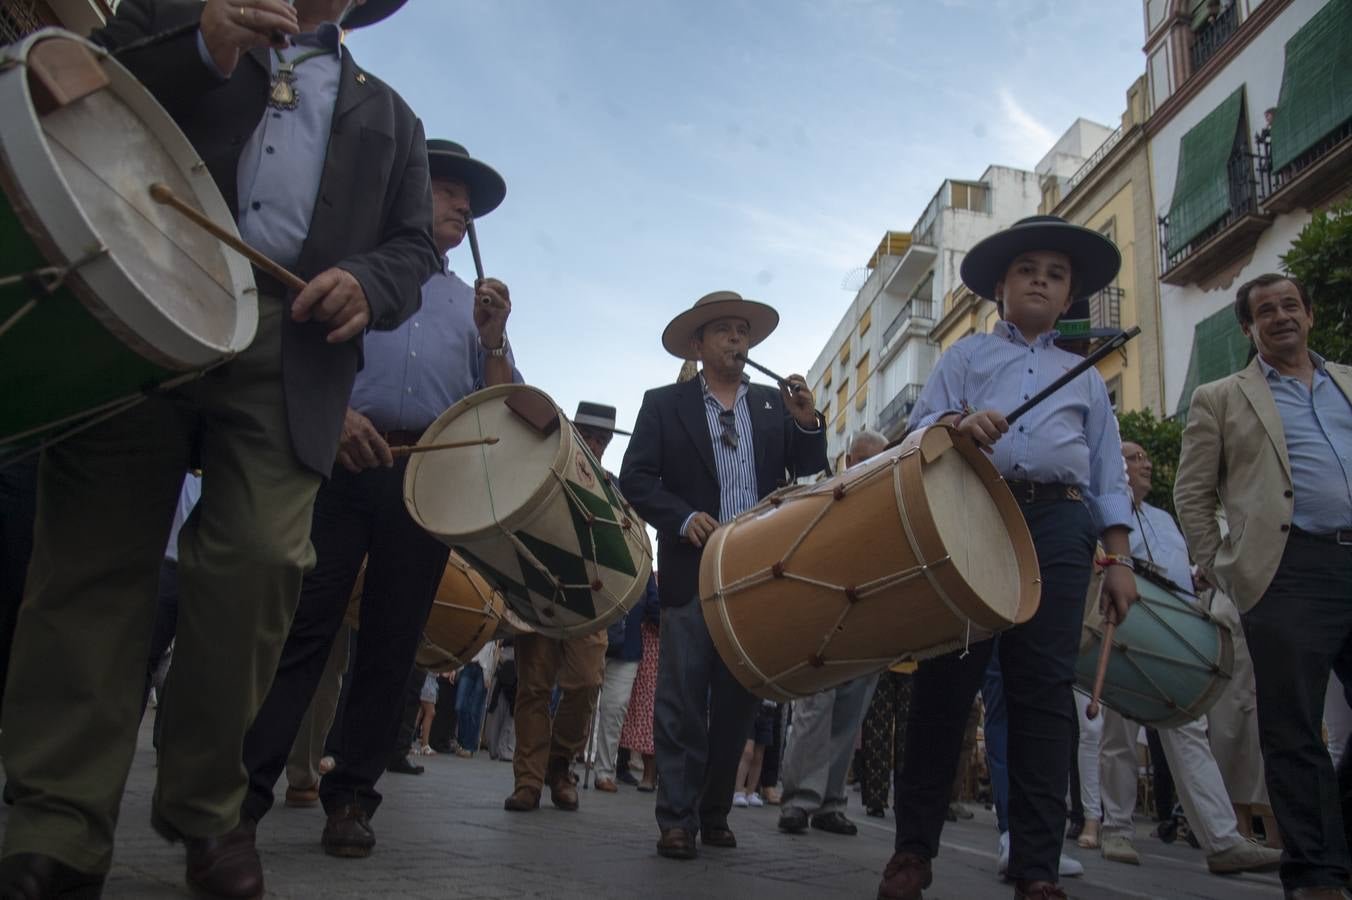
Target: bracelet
957 423
1116 559
495 352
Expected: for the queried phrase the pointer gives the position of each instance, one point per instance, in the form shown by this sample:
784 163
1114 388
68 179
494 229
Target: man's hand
701 526
230 27
798 398
1119 593
492 306
361 446
334 296
985 427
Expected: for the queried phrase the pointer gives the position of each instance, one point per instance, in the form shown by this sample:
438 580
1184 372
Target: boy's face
1036 289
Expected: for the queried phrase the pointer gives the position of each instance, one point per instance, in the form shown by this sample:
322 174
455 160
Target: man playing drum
1157 540
545 747
704 451
454 345
336 189
1274 442
1063 463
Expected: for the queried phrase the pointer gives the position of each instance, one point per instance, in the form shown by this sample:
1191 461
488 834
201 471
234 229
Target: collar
1013 335
1269 372
704 385
328 36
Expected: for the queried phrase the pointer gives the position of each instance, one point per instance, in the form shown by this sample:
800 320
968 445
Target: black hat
370 12
1094 260
596 415
447 159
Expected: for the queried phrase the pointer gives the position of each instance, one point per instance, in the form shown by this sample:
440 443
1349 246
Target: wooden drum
914 553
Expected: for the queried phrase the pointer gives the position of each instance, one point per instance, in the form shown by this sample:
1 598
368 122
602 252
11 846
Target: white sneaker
755 800
1002 863
739 799
1070 867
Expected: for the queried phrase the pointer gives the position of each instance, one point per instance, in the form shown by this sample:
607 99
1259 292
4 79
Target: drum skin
909 555
1170 661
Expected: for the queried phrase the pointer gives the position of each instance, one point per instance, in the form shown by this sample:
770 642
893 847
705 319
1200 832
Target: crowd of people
249 571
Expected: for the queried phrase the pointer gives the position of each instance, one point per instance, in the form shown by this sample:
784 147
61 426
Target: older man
825 725
1274 443
325 170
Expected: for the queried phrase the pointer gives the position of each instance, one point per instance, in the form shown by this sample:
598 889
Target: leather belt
269 286
1044 492
401 438
1340 538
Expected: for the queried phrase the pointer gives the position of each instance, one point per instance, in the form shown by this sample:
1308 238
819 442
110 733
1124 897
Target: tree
1163 441
1321 257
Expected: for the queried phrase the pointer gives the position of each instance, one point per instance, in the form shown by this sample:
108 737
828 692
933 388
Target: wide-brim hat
370 12
719 305
1094 260
447 159
597 415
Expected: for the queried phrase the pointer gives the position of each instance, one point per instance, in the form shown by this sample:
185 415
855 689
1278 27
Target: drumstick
1084 365
449 445
1092 710
165 195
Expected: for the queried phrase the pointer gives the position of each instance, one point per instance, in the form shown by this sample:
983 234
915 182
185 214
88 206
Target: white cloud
1025 137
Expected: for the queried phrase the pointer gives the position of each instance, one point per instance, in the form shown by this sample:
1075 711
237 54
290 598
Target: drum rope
47 281
915 551
1150 608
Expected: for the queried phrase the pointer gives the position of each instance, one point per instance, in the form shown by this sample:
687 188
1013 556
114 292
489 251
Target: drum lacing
43 282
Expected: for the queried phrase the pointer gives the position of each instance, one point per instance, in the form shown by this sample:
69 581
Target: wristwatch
496 353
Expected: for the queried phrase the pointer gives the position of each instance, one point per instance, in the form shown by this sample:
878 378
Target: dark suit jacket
373 215
669 470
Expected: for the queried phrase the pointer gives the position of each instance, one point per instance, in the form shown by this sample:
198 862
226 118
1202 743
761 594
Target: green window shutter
1316 96
1198 14
1219 348
1201 191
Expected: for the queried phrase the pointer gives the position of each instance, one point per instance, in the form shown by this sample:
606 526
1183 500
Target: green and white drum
1171 660
105 295
533 513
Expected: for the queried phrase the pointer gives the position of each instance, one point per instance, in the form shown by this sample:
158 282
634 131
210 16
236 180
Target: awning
1201 191
1219 348
1316 95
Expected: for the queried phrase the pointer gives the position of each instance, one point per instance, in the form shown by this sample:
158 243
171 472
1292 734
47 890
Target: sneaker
1069 867
739 799
1246 856
755 800
1118 847
425 750
1002 856
463 753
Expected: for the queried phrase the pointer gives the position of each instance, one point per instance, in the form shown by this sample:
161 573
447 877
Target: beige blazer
1234 451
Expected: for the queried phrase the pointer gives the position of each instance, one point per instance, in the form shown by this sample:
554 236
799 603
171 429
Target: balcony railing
898 409
1335 141
1212 36
1105 309
1247 183
1104 149
915 308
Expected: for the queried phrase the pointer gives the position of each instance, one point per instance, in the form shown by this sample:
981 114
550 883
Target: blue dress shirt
1318 428
1157 539
737 488
431 361
1070 438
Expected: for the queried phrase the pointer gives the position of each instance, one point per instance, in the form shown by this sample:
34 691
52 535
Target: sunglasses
728 419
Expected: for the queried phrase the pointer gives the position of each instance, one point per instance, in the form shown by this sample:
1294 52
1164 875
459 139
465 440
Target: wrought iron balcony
915 308
1105 309
898 409
1312 177
1239 227
1212 36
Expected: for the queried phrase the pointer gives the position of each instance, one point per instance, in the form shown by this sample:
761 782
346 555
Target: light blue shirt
187 501
1157 540
1318 428
1070 438
431 361
281 165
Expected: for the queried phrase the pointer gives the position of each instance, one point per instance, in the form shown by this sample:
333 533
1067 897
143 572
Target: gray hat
597 415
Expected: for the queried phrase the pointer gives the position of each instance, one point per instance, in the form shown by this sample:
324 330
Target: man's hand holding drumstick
232 27
492 306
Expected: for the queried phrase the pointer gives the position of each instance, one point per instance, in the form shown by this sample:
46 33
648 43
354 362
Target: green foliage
1163 441
1321 257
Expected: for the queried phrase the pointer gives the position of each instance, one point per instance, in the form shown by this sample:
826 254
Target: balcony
916 308
1090 164
1105 310
1213 35
1229 236
1312 178
892 420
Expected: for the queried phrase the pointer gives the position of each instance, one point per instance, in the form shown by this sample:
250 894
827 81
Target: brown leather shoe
1318 893
562 791
677 843
523 799
1038 890
348 834
226 866
905 877
302 798
718 837
33 876
605 786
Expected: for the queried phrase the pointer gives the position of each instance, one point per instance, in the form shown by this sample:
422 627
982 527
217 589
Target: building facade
21 17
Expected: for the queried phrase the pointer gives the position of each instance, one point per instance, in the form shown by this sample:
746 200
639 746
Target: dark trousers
443 726
702 717
1298 632
18 508
409 706
1037 662
166 626
774 751
1162 780
355 516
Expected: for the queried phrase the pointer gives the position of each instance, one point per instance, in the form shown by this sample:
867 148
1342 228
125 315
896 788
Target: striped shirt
737 487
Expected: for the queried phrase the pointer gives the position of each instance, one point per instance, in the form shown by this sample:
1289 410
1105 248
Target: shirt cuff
207 59
686 523
1113 509
817 430
927 421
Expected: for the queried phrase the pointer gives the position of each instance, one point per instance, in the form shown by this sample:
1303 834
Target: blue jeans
469 705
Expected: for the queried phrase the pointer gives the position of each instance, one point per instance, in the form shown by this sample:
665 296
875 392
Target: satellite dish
854 279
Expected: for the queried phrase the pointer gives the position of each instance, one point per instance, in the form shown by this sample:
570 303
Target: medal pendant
283 94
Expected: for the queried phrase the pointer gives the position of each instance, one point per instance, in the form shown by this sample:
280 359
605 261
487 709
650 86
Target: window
840 422
966 195
1115 392
843 397
845 354
865 321
826 378
1160 87
861 398
1219 348
1202 189
861 370
1316 94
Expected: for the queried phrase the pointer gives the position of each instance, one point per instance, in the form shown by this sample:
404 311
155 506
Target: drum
1170 661
534 512
914 553
104 294
465 616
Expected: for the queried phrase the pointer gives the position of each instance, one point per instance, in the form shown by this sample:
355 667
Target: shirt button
1020 428
415 324
1288 494
410 390
1030 371
413 353
255 205
271 149
1025 396
276 115
1286 528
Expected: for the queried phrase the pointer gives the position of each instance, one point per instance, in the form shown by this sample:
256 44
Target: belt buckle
1031 492
1073 493
1343 537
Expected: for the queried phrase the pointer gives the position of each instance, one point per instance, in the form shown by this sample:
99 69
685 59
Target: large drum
1171 660
104 294
914 553
534 512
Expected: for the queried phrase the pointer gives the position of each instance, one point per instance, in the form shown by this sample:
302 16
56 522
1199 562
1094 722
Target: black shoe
792 820
33 876
402 766
834 822
877 812
347 833
1074 828
624 776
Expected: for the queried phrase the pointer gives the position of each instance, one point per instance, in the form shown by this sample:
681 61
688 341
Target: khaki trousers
302 765
577 665
106 500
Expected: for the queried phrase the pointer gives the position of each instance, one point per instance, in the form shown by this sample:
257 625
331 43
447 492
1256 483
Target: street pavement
444 834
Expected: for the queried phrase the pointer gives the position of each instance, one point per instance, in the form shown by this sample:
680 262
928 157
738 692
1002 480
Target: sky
658 150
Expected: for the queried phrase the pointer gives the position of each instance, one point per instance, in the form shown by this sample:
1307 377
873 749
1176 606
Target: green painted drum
1170 659
534 513
105 295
